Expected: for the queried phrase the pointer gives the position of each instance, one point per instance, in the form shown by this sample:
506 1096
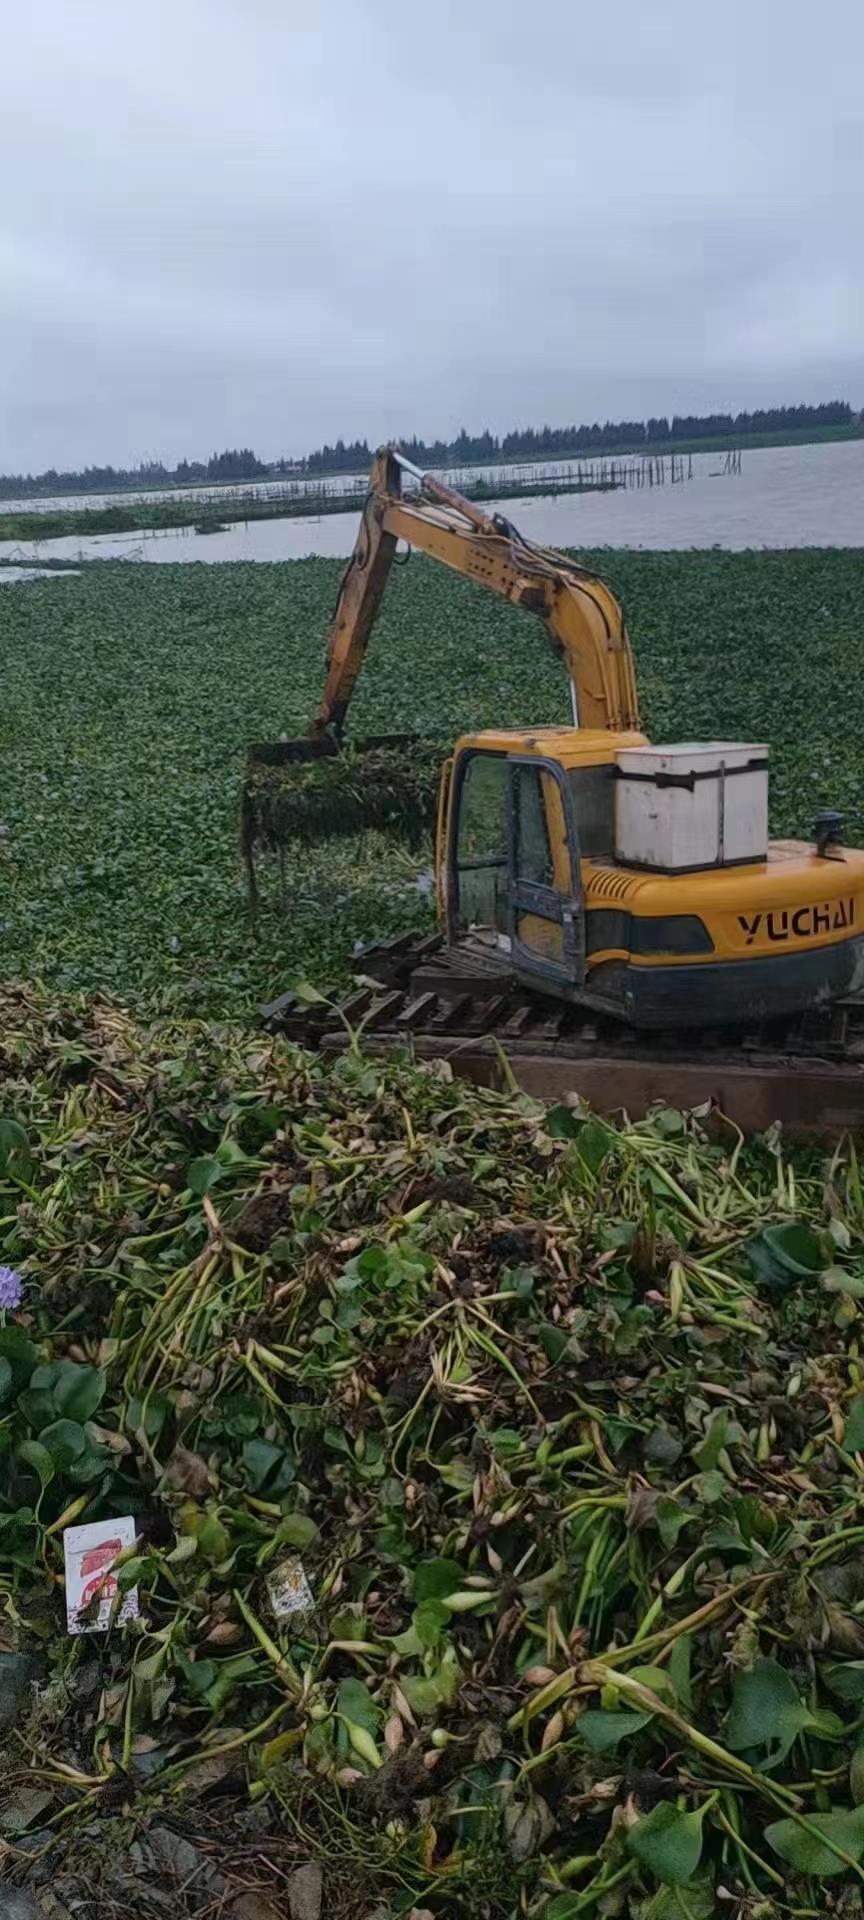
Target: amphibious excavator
613 918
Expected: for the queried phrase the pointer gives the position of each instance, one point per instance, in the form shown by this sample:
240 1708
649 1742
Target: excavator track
806 1073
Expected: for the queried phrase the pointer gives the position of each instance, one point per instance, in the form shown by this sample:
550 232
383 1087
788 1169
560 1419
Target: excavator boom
582 617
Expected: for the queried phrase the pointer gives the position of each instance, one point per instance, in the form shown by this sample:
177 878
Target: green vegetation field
552 1431
129 694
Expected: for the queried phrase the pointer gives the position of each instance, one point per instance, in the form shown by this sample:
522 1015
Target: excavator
613 919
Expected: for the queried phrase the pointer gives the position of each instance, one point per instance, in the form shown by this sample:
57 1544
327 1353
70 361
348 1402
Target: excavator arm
582 616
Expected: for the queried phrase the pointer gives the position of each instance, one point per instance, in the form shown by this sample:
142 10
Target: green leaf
668 1842
149 1411
671 1519
20 1354
767 1711
803 1845
349 1625
89 1465
374 1262
843 1280
708 1453
309 995
33 1454
229 1675
429 1622
853 1435
661 1448
78 1391
711 1487
140 1567
562 1123
519 1281
659 1681
203 1174
448 1677
16 1159
423 1696
592 1145
697 1902
6 1380
296 1530
456 1474
755 1520
198 1675
65 1441
679 1670
602 1731
268 1470
240 1414
408 1645
553 1340
435 1579
37 1403
846 1681
19 1537
355 1703
213 1539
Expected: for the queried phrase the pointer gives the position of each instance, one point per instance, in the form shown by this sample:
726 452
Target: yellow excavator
579 864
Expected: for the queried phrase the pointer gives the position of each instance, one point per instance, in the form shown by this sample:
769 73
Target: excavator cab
513 891
520 813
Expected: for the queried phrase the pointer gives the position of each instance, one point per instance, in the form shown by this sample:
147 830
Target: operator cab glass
514 872
533 851
481 863
593 790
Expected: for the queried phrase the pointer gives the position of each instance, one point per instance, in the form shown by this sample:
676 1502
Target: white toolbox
691 805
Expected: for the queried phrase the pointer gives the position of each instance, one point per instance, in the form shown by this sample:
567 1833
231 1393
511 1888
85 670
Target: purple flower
11 1288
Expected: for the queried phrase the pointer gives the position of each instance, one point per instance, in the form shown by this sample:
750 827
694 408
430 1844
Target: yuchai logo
797 923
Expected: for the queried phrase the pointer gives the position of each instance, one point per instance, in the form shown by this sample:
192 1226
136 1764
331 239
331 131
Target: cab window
533 852
481 844
593 790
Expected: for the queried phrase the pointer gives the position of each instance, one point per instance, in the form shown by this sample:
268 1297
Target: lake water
783 497
13 576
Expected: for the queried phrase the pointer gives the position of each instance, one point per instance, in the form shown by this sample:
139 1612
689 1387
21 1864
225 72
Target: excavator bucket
305 791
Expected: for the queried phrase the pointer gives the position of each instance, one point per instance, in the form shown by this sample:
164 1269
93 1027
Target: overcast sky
270 222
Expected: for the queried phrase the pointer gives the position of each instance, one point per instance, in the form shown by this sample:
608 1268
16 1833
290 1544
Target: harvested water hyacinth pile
555 1432
384 789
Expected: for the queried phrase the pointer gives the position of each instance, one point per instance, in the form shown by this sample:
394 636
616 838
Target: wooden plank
382 1011
417 1011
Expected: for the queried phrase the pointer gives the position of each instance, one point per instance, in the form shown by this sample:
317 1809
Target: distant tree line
237 463
354 456
547 443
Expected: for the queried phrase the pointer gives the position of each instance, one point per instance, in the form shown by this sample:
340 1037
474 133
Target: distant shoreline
719 443
207 516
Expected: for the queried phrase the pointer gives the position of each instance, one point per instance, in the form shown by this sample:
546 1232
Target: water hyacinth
445 657
564 1540
11 1289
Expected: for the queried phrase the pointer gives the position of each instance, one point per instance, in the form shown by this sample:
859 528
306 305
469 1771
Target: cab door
547 920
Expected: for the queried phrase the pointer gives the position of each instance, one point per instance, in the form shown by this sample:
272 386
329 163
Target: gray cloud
273 221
